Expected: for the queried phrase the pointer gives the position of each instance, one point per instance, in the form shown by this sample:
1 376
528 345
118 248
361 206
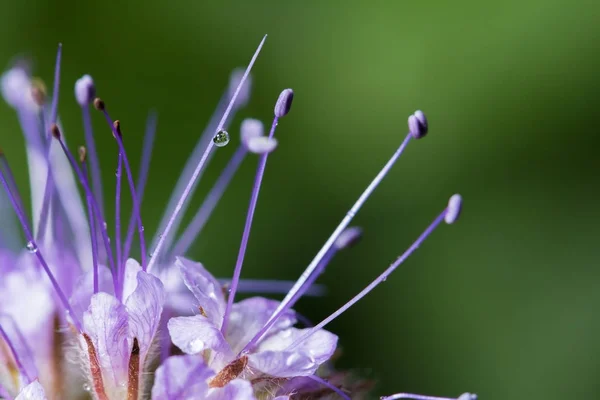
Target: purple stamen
91 219
15 355
142 177
202 162
88 192
266 286
26 354
260 171
329 385
377 281
115 126
12 183
464 396
119 259
32 246
346 239
193 230
54 107
342 226
95 171
201 145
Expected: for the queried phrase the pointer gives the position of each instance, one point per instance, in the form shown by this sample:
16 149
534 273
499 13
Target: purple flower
78 314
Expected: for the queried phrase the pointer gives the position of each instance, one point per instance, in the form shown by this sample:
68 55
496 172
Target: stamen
32 246
262 163
343 225
464 396
136 205
133 385
329 385
381 278
142 177
266 286
88 192
15 355
250 129
95 369
26 354
91 219
207 136
201 163
347 238
54 107
12 183
201 217
229 373
119 260
84 93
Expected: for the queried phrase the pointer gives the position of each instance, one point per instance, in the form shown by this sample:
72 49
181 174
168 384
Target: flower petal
273 358
84 289
237 389
205 288
130 282
33 391
196 334
145 308
181 377
250 315
106 322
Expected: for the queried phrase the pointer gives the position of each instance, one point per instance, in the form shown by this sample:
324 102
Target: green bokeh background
505 302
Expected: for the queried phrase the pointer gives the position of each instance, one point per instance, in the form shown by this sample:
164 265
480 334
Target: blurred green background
505 302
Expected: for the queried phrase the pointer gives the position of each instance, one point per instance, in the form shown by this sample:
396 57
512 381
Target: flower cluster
79 317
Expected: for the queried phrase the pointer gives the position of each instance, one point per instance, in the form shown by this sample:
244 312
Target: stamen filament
266 286
92 155
12 183
97 211
260 171
329 385
464 396
90 209
119 259
193 230
136 205
201 163
33 245
54 106
374 283
343 225
15 355
142 178
307 285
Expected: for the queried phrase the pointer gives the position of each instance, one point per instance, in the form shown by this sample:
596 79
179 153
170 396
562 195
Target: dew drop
221 139
195 346
117 174
87 387
32 248
384 278
143 228
150 254
104 225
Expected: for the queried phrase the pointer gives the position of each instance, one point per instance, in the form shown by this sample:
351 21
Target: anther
454 208
117 125
55 131
84 90
417 124
284 103
99 104
82 154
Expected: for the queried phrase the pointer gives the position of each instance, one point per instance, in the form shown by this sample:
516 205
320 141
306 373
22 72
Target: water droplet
143 228
195 346
221 138
384 278
117 174
87 387
32 248
150 254
104 225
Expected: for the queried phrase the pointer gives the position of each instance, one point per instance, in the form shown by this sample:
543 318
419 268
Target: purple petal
33 391
181 377
130 281
106 322
196 334
84 289
237 389
273 358
145 308
205 288
249 316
